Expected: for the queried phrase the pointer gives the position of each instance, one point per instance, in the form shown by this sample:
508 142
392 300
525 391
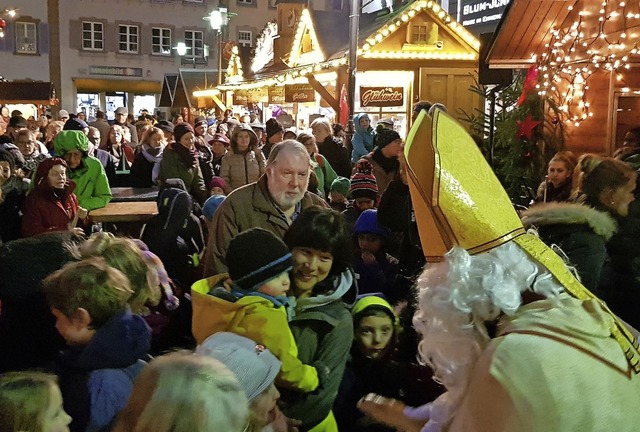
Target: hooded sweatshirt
92 186
96 379
255 315
363 139
323 330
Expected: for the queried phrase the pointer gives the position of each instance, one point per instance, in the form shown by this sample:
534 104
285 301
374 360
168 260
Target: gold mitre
458 201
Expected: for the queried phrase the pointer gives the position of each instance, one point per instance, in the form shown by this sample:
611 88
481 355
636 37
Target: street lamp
181 48
218 20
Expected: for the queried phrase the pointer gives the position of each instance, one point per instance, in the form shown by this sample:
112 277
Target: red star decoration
526 127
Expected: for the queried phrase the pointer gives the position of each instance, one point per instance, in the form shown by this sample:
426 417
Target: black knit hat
363 182
180 130
255 257
272 127
385 136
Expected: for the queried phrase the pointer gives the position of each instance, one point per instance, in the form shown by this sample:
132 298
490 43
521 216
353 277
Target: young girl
52 205
558 185
31 401
244 163
375 268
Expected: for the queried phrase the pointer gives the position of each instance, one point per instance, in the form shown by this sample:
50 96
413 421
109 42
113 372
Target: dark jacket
141 171
337 155
323 330
579 230
108 162
96 379
172 166
28 337
548 193
12 200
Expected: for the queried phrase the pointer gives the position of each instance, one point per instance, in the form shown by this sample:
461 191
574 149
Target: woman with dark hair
331 147
323 286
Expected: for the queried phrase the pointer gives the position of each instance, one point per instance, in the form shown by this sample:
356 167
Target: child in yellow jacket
253 303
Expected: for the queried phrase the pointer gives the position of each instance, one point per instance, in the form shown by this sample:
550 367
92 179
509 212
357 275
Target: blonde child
31 401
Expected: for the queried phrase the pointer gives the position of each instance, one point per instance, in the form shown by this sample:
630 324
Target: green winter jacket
172 166
92 185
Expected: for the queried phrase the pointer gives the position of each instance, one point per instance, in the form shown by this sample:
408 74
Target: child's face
218 148
369 243
364 203
373 335
277 286
73 330
217 191
336 196
365 122
55 419
5 172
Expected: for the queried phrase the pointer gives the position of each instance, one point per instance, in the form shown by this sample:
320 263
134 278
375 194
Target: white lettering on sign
300 96
383 95
483 6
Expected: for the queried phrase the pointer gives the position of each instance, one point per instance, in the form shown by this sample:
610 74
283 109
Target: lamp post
354 23
219 19
182 48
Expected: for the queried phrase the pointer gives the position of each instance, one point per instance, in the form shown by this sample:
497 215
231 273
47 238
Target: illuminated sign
381 96
276 95
474 12
299 93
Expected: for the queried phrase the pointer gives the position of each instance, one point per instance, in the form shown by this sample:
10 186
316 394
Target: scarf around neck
153 159
188 156
387 164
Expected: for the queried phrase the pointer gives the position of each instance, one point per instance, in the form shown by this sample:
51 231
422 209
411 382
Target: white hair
457 298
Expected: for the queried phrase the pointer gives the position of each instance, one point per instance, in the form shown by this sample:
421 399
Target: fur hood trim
600 222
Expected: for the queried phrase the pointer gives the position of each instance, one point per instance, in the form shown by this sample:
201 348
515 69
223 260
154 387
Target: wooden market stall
586 52
414 52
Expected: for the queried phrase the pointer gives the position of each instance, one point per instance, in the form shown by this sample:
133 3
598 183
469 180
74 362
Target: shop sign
477 12
240 97
299 93
381 96
257 94
115 71
276 95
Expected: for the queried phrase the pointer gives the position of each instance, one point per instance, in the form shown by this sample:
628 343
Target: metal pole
219 56
354 23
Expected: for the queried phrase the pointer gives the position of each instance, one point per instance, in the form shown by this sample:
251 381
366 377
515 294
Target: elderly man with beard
272 202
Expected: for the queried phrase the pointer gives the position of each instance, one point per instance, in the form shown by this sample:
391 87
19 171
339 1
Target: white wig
457 297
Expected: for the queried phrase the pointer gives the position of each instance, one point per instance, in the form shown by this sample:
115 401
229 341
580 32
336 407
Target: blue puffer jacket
363 140
96 379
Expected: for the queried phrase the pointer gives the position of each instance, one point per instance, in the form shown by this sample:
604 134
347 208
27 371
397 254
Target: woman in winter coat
119 148
323 170
583 228
558 184
244 163
146 163
92 186
52 205
323 286
180 160
331 147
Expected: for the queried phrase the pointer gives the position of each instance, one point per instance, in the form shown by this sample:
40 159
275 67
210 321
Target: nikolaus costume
562 364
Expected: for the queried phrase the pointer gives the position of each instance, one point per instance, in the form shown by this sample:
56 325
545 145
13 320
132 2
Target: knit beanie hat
341 185
75 124
385 136
367 223
363 183
254 365
66 141
273 126
165 126
255 257
217 182
180 130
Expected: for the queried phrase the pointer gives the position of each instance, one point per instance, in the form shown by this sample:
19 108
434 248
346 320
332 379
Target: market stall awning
190 80
26 92
527 25
168 90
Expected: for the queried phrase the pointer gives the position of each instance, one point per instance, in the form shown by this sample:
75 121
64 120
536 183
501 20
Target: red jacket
45 212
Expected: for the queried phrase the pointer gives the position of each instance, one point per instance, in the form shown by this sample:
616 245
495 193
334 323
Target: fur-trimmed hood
545 214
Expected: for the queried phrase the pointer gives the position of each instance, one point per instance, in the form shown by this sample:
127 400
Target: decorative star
526 127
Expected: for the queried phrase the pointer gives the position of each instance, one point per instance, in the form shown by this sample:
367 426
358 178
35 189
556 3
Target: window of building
247 2
92 36
128 38
245 38
26 38
193 1
420 34
336 4
160 41
194 39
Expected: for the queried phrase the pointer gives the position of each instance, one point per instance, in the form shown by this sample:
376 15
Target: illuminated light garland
317 55
419 55
234 68
571 57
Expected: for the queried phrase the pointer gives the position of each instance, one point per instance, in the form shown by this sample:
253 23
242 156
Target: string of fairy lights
5 14
575 53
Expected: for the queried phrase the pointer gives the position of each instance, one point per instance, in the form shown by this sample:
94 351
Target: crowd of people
277 287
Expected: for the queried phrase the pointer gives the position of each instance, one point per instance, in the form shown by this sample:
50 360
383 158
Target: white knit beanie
254 365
